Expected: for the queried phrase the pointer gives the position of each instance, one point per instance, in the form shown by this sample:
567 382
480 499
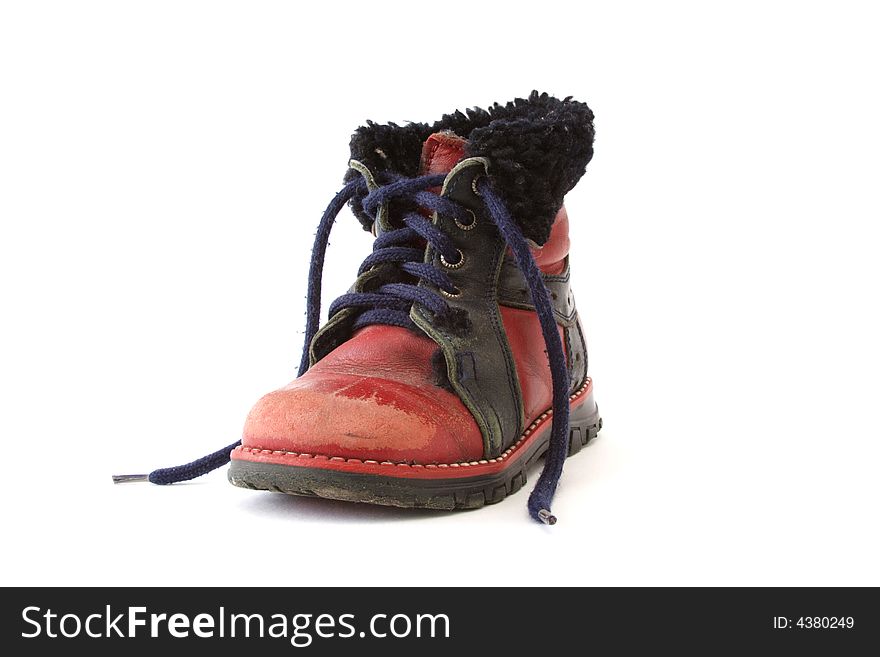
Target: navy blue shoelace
390 304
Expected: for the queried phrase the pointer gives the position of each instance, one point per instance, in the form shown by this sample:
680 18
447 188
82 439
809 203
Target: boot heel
584 425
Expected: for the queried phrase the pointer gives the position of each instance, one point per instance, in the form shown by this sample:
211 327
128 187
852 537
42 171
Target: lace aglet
546 517
128 478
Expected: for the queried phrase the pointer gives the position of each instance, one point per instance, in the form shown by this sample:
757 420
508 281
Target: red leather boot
457 358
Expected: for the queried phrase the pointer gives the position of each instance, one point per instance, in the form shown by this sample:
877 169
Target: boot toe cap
365 418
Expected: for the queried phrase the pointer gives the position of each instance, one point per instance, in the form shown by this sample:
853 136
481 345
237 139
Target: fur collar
538 148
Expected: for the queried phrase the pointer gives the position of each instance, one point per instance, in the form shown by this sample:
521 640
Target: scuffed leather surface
373 397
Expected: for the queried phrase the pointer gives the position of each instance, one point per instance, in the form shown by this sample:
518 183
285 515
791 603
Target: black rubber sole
448 494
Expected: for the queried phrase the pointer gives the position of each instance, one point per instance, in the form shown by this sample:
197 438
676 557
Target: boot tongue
441 152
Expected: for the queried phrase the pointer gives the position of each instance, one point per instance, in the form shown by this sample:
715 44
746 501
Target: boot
457 358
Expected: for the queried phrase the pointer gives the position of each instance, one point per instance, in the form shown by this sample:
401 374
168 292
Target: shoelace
391 303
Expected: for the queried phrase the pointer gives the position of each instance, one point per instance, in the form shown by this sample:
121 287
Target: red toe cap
374 397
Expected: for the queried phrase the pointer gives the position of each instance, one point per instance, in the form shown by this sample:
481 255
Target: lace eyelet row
464 227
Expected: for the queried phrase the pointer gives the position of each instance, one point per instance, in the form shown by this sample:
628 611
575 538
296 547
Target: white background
163 166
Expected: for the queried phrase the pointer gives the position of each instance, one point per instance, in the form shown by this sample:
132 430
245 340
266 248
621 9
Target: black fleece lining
538 148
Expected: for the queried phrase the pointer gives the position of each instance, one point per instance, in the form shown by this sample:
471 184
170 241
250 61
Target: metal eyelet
452 265
451 295
469 226
474 184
